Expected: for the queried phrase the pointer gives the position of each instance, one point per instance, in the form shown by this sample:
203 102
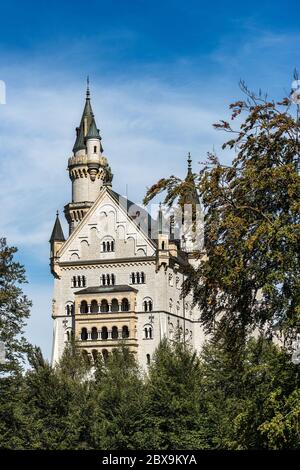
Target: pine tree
119 405
174 403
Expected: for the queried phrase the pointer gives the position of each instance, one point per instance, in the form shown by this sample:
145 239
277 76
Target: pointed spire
87 87
93 131
160 219
189 161
191 195
57 232
86 121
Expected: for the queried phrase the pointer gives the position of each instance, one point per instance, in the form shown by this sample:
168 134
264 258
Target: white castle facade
118 275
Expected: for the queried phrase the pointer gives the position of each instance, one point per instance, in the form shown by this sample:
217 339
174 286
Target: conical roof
87 121
57 232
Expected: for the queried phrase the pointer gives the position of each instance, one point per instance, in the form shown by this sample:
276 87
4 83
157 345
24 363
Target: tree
174 404
118 397
250 276
14 307
55 404
252 404
14 311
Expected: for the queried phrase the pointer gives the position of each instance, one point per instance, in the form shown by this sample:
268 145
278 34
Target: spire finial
189 160
88 87
57 213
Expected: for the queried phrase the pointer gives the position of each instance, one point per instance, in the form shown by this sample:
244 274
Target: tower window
147 305
107 280
137 278
148 332
95 149
148 359
84 334
125 332
78 281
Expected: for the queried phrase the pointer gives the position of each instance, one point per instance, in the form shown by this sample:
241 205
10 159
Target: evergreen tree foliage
14 308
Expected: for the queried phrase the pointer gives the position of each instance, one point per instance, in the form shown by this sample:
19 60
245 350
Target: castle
118 275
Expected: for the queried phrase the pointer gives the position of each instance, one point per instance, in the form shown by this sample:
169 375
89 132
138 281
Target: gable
107 232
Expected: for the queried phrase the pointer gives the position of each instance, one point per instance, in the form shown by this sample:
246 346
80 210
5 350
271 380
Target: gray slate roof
106 289
57 232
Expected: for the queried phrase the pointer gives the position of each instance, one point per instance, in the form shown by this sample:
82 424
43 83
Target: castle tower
88 167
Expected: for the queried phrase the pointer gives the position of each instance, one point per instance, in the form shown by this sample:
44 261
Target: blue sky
161 73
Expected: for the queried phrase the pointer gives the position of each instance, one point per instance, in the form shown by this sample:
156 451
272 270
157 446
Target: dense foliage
249 277
185 402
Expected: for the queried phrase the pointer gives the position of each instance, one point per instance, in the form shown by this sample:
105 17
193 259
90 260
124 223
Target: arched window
171 331
132 278
94 334
113 279
170 305
148 332
163 245
68 336
104 307
148 359
125 305
112 246
69 309
125 332
105 355
103 280
143 278
84 307
95 148
78 281
114 305
114 332
84 334
104 247
107 246
95 354
147 305
107 279
104 333
85 356
73 281
94 306
138 279
83 281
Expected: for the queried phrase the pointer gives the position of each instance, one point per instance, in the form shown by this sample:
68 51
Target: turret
56 241
88 167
